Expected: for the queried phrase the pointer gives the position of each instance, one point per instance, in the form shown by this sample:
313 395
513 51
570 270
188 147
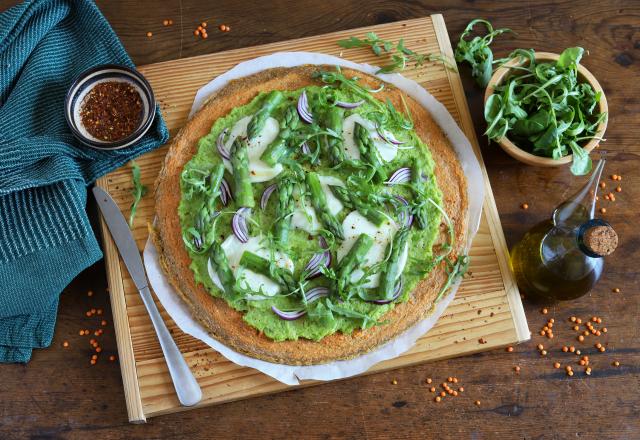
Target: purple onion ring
220 145
349 105
288 316
303 108
401 175
266 194
239 224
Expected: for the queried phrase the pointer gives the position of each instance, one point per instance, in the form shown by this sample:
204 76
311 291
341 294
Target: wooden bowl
514 151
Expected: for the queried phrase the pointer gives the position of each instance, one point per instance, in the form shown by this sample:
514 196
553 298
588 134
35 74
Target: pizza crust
226 324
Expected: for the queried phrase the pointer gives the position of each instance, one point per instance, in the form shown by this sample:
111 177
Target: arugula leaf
476 52
581 164
401 55
570 57
138 191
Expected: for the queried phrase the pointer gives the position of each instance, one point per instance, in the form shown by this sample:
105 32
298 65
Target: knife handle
187 388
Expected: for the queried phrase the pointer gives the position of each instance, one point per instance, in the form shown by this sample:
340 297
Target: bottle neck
580 236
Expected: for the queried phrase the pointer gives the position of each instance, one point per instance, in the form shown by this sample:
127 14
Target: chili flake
111 111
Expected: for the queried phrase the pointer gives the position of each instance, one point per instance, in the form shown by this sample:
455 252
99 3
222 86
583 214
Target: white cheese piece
234 248
386 150
355 224
259 171
305 218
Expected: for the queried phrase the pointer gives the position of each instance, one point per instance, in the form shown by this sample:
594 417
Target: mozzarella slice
386 150
259 171
355 224
305 218
234 248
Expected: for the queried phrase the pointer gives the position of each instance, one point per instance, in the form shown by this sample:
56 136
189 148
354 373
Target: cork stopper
601 240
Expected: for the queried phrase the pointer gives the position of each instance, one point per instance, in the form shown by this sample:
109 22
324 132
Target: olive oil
561 258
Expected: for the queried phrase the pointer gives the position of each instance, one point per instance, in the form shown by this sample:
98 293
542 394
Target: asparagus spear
319 201
368 150
419 187
392 270
348 199
333 121
240 164
256 124
215 178
222 268
278 148
284 209
354 258
261 265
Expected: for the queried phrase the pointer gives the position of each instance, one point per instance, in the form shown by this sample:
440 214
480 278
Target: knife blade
122 236
185 384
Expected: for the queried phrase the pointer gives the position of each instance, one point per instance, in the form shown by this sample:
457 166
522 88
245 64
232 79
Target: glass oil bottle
561 258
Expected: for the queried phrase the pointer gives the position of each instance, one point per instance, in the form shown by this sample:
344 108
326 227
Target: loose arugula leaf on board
138 191
401 55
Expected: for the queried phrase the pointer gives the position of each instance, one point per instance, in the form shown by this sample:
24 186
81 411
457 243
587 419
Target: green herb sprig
138 191
401 56
477 52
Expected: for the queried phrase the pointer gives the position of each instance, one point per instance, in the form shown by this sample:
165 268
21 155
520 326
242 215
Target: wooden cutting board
487 306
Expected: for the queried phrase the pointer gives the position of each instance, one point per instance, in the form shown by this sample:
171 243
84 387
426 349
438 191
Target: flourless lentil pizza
310 214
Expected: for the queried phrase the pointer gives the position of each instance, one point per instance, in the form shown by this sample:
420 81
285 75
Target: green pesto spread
206 221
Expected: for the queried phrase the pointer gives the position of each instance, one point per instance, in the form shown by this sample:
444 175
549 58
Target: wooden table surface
60 395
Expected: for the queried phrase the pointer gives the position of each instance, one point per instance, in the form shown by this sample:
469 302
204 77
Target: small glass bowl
103 73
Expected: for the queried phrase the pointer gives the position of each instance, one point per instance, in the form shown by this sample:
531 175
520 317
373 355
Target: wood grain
484 310
60 395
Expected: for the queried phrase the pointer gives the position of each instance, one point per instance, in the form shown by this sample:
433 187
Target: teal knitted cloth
45 236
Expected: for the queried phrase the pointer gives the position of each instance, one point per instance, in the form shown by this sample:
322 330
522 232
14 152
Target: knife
187 388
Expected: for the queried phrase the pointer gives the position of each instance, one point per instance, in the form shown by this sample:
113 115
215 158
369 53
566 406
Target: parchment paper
290 374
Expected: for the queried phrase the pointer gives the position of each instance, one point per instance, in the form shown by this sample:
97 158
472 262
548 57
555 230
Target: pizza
310 214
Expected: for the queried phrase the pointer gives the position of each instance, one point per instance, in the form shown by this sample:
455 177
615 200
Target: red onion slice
305 148
316 293
401 175
396 294
266 194
317 261
220 145
323 242
405 217
389 138
239 224
303 108
379 89
288 316
349 105
225 192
